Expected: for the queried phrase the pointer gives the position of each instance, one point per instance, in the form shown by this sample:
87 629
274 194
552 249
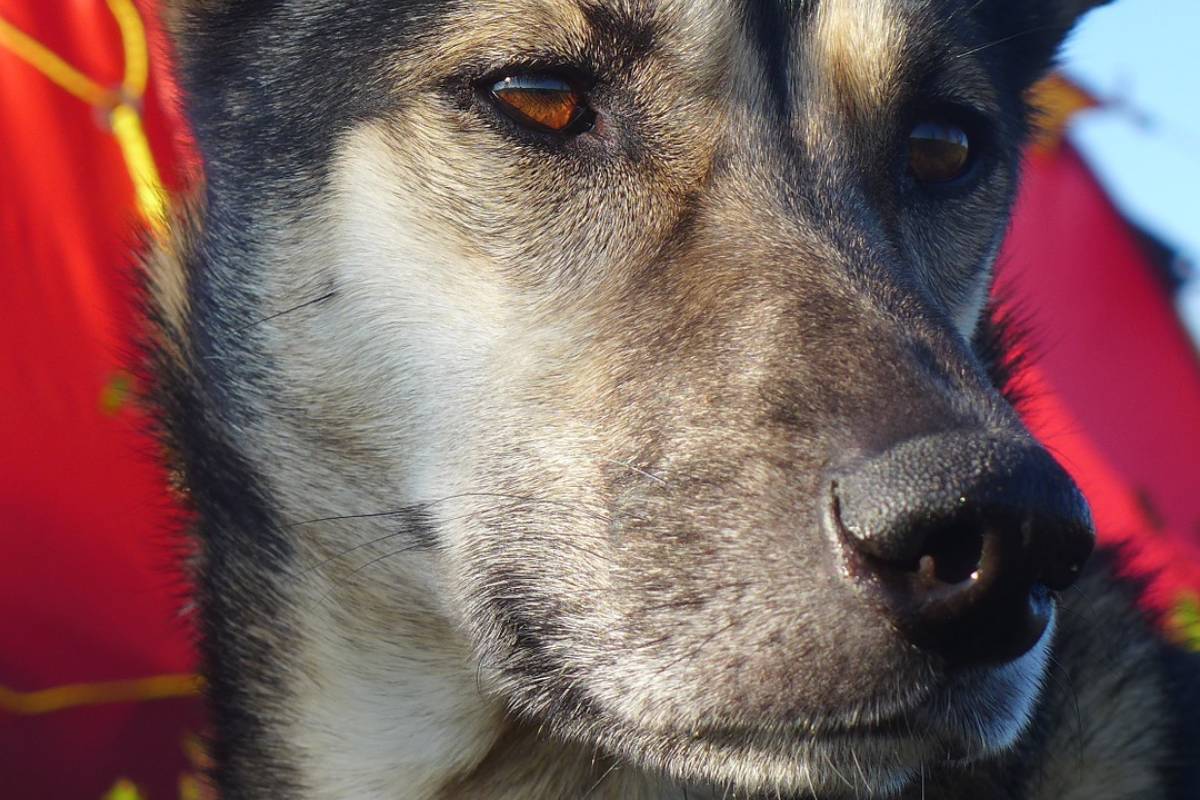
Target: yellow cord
1183 621
46 61
133 44
121 106
123 790
58 698
139 160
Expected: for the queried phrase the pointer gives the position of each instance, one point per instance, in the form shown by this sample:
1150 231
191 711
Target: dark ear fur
195 24
180 15
1029 32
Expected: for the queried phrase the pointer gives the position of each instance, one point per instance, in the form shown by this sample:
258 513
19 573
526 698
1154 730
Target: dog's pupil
938 152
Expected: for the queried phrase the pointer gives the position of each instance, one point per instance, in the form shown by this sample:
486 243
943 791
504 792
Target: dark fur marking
1182 766
770 25
622 37
236 531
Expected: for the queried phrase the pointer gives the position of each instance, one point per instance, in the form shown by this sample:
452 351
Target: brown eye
542 102
938 152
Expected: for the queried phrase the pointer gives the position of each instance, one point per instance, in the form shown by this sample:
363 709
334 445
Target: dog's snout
959 537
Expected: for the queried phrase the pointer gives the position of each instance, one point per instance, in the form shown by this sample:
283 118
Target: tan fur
860 46
167 280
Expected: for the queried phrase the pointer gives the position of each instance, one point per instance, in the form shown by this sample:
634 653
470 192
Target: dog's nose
959 538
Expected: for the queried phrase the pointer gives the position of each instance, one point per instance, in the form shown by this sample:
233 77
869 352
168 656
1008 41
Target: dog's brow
861 44
598 33
613 27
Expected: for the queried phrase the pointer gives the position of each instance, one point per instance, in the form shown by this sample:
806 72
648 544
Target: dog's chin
963 718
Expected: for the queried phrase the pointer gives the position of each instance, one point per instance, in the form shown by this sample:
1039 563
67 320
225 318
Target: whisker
1008 38
416 507
1064 682
350 550
277 315
636 469
479 678
861 774
611 769
833 768
965 10
695 651
326 595
566 541
808 778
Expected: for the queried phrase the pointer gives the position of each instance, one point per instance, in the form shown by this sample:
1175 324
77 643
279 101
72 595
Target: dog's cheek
431 321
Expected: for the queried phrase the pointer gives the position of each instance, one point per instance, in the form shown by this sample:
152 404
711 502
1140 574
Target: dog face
651 320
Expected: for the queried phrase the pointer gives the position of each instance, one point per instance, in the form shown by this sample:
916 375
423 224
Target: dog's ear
212 28
187 19
1030 32
178 13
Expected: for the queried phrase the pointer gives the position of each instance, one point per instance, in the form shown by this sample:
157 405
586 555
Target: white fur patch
998 705
389 697
968 313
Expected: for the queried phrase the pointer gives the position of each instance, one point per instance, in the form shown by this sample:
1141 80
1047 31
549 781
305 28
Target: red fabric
1116 378
87 588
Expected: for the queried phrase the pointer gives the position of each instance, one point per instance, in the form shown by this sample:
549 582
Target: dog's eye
938 152
542 102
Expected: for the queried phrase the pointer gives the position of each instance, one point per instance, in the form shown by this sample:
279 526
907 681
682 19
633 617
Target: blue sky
1143 58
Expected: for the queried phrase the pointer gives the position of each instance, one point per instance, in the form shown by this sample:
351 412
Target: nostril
938 551
951 554
956 539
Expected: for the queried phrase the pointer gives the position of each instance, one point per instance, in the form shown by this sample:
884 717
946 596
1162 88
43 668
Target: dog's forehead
867 32
859 43
862 48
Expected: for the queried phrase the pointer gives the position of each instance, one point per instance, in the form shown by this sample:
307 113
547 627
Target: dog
601 399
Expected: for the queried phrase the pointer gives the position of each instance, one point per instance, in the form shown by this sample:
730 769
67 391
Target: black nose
960 537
